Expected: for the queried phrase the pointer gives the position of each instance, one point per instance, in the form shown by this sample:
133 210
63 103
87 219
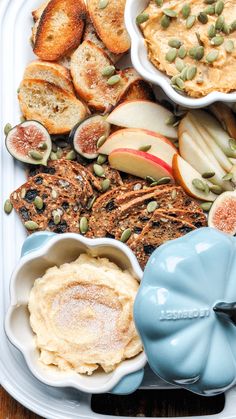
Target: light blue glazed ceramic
189 337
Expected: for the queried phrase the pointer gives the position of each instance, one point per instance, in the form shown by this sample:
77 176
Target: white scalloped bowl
147 70
64 248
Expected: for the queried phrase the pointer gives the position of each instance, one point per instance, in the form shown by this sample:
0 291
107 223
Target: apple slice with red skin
139 163
135 138
184 174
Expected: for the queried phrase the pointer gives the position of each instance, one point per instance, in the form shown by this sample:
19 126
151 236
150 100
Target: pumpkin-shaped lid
185 311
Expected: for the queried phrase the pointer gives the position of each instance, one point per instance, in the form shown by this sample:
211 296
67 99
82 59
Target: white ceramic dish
147 70
56 250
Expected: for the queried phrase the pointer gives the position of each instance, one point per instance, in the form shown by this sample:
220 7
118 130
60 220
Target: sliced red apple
184 174
135 138
139 163
143 114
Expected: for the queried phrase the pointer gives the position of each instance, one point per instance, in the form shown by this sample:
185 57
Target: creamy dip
214 72
82 315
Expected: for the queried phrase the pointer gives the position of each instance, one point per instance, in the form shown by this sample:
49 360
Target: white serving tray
49 402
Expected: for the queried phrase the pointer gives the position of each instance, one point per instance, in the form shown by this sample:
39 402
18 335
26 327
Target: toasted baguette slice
137 90
37 13
51 72
90 34
87 63
55 108
109 24
60 29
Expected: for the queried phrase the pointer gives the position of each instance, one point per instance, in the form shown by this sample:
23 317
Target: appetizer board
49 402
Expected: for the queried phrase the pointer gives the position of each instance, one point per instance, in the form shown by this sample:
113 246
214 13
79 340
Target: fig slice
222 215
85 135
29 142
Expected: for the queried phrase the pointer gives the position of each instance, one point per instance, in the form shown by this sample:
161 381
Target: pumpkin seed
219 7
199 54
91 202
209 10
171 120
59 153
153 184
113 80
151 206
36 155
174 78
31 225
206 206
38 202
171 55
219 23
211 31
150 179
208 175
163 180
186 10
203 18
212 56
182 52
54 194
159 3
217 40
175 43
170 12
98 170
103 4
53 156
83 225
180 83
8 206
232 144
101 141
183 73
125 235
209 1
207 188
7 128
109 70
179 64
101 159
71 155
165 22
43 146
190 21
145 147
199 184
226 28
229 176
106 184
191 72
216 189
199 38
229 46
233 26
56 218
54 147
143 17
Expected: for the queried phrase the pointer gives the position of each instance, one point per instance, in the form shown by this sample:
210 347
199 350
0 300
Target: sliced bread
51 72
55 108
137 90
60 29
37 13
109 24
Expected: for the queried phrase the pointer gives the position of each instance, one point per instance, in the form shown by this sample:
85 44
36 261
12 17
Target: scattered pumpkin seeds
102 4
71 155
8 206
208 175
182 52
59 152
143 17
206 206
219 23
212 56
159 3
43 146
186 10
54 194
191 72
163 180
109 70
217 40
151 206
175 43
209 1
83 225
165 22
171 55
219 7
150 179
179 83
211 31
226 28
170 12
190 21
91 202
38 202
229 176
53 156
209 10
101 141
154 184
233 26
106 184
199 54
171 120
101 159
232 144
125 235
229 46
31 225
98 170
199 184
36 155
216 189
145 147
56 218
7 128
203 18
179 64
113 80
183 73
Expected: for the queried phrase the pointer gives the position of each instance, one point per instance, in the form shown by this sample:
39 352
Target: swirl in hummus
82 315
196 34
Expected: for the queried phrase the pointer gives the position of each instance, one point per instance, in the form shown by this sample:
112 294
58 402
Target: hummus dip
82 315
184 34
